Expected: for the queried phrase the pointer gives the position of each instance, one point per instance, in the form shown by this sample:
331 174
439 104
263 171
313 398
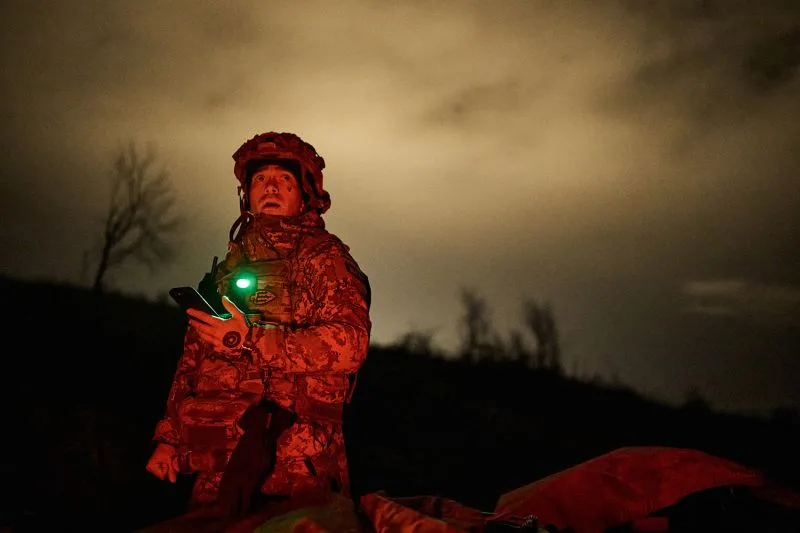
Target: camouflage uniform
304 357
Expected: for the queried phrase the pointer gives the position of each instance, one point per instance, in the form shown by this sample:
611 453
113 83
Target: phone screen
189 298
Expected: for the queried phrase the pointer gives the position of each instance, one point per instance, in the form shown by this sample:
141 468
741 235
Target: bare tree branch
542 325
139 223
478 342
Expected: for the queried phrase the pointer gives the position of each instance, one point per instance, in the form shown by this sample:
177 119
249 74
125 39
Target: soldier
256 402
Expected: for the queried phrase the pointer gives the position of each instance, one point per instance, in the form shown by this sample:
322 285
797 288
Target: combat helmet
293 152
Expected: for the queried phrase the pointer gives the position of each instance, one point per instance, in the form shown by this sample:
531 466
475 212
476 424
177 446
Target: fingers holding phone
227 333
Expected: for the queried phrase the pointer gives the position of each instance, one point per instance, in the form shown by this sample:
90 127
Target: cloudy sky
634 163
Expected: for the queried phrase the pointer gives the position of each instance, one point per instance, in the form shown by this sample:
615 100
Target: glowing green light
243 283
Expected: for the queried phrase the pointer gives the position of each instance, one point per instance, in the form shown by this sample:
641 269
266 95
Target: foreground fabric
627 487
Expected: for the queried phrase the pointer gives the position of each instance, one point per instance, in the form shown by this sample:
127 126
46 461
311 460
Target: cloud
705 65
743 298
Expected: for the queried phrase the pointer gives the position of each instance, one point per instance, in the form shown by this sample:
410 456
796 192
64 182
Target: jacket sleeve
337 337
183 382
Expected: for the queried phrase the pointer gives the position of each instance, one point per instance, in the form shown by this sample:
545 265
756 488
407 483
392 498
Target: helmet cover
291 151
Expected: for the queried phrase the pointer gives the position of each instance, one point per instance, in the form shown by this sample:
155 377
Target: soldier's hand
164 462
225 334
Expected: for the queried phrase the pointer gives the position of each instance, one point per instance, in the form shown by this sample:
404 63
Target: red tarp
626 485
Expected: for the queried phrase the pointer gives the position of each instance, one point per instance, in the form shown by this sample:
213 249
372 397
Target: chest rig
261 289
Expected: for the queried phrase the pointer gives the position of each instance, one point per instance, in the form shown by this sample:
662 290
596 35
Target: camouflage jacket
307 362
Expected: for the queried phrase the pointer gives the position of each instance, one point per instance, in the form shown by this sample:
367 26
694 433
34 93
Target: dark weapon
254 457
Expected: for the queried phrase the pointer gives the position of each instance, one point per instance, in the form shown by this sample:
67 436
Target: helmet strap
239 225
245 216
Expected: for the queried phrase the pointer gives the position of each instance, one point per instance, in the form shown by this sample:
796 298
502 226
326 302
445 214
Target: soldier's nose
272 187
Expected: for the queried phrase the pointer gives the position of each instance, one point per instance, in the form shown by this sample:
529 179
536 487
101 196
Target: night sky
636 164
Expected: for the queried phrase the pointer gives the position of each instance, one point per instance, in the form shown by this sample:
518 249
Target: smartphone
189 298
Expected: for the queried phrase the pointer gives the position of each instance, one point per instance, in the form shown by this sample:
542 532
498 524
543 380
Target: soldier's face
275 191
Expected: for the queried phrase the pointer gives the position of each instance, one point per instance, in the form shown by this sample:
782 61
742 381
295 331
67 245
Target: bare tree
478 342
139 222
542 325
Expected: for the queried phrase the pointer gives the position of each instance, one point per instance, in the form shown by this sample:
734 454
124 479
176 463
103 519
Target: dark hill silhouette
88 375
